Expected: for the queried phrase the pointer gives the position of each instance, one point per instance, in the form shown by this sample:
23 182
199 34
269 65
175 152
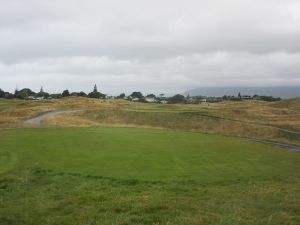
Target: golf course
111 162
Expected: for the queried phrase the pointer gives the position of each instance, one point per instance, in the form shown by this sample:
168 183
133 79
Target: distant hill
282 92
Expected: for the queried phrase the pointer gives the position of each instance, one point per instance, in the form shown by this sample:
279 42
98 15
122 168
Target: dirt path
292 148
38 119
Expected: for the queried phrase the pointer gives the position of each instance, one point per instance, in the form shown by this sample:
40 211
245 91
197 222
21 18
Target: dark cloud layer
148 45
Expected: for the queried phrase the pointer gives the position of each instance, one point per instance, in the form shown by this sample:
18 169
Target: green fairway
88 176
146 154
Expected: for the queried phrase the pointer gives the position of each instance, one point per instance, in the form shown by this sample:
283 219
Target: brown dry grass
69 121
24 110
19 115
292 104
247 118
181 121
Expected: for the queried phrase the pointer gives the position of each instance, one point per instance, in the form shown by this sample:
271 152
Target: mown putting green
145 154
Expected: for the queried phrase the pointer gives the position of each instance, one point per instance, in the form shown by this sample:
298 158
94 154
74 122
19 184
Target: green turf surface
143 176
146 154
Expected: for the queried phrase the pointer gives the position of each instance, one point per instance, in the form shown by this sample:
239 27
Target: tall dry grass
247 118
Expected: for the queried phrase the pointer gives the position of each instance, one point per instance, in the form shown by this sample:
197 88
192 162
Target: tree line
136 96
26 93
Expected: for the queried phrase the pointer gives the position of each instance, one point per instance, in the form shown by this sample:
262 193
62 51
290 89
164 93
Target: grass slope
270 121
143 176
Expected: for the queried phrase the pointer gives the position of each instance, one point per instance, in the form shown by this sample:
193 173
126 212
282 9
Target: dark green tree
95 93
24 93
269 98
136 94
176 99
65 93
9 95
56 96
2 93
82 94
151 96
43 94
121 95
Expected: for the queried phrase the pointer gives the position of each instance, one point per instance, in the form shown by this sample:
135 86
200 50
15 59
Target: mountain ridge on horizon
276 91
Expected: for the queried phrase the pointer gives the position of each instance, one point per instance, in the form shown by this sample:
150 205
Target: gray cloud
148 45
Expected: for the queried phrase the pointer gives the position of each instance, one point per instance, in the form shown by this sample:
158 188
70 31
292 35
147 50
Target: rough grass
293 104
36 196
144 176
247 118
200 121
14 112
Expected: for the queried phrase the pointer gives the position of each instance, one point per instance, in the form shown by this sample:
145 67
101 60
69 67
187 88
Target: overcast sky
165 46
